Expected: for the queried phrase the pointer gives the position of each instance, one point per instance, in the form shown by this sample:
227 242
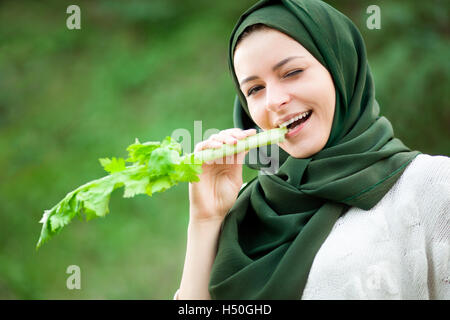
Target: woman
351 213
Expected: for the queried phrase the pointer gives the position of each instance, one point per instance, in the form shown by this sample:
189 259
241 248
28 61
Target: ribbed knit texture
400 249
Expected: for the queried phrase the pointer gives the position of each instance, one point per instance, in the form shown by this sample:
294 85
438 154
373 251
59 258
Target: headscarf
271 235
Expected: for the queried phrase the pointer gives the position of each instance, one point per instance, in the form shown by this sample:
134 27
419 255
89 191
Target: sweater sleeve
436 221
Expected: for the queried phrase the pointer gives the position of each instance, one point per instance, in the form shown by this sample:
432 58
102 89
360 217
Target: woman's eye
293 73
253 90
257 88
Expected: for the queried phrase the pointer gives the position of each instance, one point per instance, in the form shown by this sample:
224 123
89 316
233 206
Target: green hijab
279 221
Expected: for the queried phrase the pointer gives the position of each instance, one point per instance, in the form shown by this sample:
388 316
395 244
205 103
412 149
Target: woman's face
280 80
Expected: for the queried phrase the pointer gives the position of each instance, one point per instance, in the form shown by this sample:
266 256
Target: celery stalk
258 140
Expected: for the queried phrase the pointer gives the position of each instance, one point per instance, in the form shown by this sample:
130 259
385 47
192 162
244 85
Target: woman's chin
295 152
300 150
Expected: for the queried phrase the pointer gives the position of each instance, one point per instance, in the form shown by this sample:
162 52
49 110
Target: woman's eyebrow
274 68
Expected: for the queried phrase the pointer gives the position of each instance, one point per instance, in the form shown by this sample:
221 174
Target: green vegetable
156 166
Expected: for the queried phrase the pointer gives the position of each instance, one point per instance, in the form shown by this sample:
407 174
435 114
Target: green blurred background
142 69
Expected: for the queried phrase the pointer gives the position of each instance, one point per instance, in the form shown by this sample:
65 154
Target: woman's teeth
301 116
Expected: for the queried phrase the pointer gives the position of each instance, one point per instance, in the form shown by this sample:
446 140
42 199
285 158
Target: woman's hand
214 195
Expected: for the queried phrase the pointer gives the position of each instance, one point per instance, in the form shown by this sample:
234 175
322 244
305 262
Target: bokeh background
144 68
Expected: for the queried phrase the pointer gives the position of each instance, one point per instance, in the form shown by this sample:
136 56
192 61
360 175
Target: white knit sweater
400 249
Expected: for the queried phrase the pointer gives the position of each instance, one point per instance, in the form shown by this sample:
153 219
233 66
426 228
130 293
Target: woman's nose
276 97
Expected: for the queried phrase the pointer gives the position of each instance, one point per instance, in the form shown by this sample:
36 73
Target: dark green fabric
279 221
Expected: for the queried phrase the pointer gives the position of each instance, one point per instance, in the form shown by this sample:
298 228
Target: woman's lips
296 130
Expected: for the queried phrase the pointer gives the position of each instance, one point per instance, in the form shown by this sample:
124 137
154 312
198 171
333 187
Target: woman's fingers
232 135
223 137
228 136
236 133
239 133
207 144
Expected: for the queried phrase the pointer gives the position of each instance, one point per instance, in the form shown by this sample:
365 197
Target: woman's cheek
257 118
267 121
255 112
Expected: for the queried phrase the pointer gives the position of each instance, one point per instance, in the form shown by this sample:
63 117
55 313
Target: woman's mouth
295 126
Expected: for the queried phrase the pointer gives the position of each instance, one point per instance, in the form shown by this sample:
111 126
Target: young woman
351 213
